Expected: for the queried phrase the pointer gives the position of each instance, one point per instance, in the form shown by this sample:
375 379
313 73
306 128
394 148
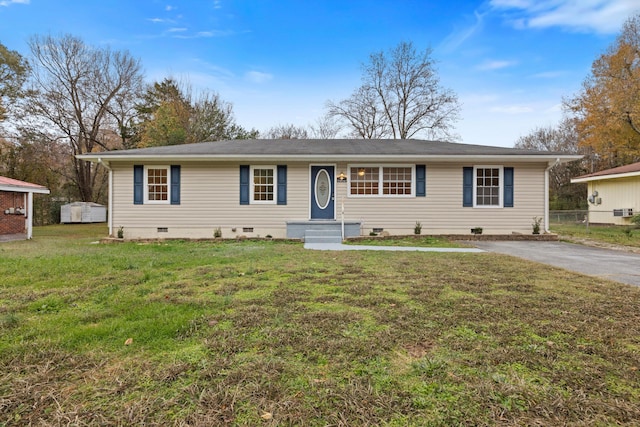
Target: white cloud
512 109
556 108
210 69
550 74
205 34
169 8
176 30
503 124
257 77
217 4
10 2
520 4
458 37
156 20
495 65
479 98
600 16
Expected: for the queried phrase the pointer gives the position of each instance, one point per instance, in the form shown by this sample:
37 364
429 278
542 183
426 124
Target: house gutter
110 195
602 177
546 194
246 157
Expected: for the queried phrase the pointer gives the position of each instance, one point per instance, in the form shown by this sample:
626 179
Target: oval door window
323 189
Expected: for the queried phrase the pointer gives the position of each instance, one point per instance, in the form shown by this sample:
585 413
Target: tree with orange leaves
608 106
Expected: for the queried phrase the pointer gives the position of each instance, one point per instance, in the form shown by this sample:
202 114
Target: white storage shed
86 212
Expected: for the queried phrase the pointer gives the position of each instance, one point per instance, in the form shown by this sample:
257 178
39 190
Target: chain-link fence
586 217
569 217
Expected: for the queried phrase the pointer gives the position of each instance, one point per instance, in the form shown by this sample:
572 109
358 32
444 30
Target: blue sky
511 62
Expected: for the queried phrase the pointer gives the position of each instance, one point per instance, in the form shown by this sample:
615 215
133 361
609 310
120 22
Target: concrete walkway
609 264
341 247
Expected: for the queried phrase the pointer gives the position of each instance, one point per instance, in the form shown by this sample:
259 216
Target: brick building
16 206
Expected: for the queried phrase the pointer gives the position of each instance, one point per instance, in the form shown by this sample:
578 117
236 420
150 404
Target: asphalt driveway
606 263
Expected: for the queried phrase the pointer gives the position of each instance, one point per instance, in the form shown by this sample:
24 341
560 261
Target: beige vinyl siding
210 199
619 193
441 211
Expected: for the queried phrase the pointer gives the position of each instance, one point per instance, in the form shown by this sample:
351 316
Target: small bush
417 229
536 225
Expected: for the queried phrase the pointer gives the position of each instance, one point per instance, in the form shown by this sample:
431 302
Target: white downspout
29 214
110 197
342 217
546 195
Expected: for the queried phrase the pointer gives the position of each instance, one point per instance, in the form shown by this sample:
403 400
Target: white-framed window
378 180
263 184
487 187
157 188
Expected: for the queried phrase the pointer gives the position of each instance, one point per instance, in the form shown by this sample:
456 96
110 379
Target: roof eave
561 158
603 177
24 189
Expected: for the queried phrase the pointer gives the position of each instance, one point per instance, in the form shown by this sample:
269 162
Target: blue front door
322 192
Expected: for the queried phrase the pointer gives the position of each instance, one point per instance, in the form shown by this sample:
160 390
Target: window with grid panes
157 184
380 180
488 187
263 184
396 180
365 180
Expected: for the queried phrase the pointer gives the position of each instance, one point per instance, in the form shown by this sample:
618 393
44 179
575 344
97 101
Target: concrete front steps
322 236
328 231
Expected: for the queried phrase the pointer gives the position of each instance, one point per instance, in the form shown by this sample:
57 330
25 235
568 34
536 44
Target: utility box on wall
82 212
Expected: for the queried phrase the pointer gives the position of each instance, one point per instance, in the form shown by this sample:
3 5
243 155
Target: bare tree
325 127
78 91
286 131
400 98
362 113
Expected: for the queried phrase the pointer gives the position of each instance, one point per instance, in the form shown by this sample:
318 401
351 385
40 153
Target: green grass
617 235
414 240
267 333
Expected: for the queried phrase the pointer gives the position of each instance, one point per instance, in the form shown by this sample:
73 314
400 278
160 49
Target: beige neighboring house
613 194
293 188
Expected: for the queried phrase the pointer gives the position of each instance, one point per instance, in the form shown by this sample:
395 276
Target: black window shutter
282 184
467 186
175 184
138 184
508 188
244 184
421 180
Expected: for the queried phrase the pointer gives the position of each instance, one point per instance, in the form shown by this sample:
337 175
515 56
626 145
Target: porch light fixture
342 177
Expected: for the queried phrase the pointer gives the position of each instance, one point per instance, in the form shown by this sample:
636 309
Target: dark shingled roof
323 147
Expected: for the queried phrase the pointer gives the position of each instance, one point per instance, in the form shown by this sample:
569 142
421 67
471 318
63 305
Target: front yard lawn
612 234
267 333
